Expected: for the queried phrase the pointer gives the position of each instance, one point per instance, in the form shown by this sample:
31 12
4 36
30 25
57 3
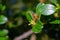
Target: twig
24 35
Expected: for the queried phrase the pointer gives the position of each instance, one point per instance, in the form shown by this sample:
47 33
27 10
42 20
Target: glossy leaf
38 27
39 8
55 22
3 32
3 19
46 9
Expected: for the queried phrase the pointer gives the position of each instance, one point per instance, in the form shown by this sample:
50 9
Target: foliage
3 38
55 22
3 19
54 1
3 32
45 9
42 9
2 7
37 27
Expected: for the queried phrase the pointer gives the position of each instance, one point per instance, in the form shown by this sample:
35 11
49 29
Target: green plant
43 9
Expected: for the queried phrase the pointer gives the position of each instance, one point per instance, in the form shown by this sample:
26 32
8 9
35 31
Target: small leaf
55 22
32 22
46 9
3 32
3 8
11 25
38 27
3 19
29 15
54 1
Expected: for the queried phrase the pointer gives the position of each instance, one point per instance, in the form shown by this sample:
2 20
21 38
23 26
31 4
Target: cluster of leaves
43 9
3 20
36 26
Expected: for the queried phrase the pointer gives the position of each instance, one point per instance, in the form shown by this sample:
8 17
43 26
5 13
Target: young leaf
38 27
3 19
29 15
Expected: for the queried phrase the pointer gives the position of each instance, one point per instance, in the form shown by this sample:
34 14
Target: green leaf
11 25
54 1
29 15
55 22
39 8
3 32
46 9
3 19
3 8
38 27
3 38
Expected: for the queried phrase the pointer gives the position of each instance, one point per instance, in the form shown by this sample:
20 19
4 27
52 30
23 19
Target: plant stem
24 35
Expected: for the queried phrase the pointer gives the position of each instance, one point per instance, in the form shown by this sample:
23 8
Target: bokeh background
18 24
